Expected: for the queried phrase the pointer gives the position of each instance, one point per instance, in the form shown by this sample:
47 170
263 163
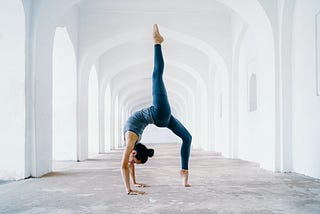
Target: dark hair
143 152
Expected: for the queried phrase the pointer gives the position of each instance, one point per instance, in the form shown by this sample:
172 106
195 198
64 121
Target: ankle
157 38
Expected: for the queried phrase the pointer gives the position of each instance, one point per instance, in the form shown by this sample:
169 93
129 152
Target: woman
160 115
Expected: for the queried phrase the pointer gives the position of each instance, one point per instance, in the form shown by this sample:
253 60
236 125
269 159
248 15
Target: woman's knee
187 138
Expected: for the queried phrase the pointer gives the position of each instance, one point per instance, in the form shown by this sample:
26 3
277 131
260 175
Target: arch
135 96
64 97
136 77
187 100
117 128
13 155
42 24
201 121
93 115
142 101
105 120
153 134
186 70
220 98
106 44
45 26
257 20
235 92
176 106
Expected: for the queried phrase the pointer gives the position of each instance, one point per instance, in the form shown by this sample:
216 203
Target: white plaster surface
12 90
306 105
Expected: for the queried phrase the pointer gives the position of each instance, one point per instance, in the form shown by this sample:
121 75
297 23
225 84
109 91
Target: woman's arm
131 138
125 168
132 173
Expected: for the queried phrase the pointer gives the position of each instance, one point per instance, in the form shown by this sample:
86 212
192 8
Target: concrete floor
219 185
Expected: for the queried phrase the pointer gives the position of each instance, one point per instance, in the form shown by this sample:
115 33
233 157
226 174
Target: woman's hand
141 185
185 175
136 192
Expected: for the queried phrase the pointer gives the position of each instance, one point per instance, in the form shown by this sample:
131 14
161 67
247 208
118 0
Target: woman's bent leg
176 127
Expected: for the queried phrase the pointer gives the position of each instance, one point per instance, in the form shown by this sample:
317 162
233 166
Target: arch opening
64 97
93 114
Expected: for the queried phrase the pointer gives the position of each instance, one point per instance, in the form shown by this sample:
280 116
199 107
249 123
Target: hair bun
150 152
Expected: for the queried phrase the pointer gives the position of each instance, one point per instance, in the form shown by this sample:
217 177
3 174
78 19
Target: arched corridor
242 76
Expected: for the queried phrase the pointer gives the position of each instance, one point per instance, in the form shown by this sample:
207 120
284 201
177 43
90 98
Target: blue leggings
161 111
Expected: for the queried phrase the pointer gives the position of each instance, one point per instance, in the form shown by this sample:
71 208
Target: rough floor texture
219 185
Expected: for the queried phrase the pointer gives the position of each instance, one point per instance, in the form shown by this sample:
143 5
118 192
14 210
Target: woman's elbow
124 166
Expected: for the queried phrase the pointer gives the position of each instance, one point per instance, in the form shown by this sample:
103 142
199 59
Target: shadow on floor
62 174
4 182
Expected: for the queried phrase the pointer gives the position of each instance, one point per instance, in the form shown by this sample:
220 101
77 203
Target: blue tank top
138 121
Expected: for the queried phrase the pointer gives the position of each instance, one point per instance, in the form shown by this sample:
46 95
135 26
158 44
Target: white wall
221 114
306 104
249 127
12 90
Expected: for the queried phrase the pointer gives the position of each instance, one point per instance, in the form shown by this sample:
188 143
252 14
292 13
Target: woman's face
132 157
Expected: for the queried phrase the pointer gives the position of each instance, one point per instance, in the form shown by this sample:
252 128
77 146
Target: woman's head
141 153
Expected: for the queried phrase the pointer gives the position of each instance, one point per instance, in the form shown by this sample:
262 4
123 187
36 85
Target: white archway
143 88
64 97
200 87
221 116
40 130
93 115
235 91
105 118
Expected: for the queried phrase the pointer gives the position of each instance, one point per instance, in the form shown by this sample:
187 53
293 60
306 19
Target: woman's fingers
132 193
137 192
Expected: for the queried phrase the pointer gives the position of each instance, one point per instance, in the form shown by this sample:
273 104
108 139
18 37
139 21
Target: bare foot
157 38
185 175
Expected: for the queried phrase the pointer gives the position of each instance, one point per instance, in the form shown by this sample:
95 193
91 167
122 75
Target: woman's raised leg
161 111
